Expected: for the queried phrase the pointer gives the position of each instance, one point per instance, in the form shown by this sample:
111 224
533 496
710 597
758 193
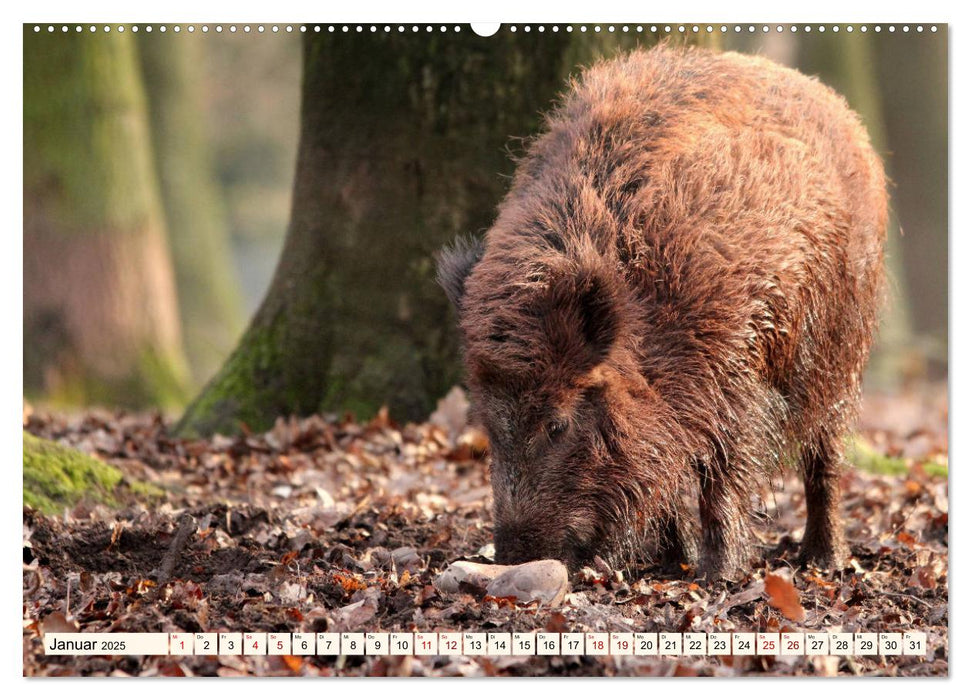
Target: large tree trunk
198 237
402 147
101 322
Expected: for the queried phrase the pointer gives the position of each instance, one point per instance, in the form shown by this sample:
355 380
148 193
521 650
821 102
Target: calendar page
516 349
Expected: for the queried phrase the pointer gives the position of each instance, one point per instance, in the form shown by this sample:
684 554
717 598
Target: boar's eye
555 428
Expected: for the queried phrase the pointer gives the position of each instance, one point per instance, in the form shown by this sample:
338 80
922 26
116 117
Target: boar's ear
583 320
455 262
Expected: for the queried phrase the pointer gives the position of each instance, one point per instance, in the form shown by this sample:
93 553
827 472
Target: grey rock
407 559
467 574
546 581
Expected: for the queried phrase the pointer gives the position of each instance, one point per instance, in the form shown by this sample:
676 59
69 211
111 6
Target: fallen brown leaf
784 597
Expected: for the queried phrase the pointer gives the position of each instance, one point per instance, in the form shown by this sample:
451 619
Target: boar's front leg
724 525
823 544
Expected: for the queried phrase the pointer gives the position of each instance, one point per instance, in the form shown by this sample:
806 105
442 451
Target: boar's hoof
828 557
720 568
674 555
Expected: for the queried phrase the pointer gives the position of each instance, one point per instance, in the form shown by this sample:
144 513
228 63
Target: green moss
935 469
56 477
145 492
862 456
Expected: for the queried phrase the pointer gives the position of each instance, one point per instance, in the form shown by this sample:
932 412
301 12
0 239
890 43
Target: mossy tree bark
101 322
208 292
402 147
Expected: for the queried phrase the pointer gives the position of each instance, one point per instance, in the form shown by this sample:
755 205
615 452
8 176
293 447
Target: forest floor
330 525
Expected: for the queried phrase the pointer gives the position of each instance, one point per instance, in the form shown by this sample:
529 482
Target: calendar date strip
907 643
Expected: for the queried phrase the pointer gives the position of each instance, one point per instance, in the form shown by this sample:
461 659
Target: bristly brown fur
679 292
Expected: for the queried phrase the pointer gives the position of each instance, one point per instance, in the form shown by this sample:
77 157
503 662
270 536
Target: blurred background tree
912 79
252 113
101 321
205 276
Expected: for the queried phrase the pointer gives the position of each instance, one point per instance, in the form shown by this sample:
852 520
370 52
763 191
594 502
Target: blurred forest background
232 227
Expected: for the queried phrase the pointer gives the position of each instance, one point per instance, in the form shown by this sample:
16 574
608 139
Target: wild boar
676 299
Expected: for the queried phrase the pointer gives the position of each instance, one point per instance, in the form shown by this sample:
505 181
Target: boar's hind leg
823 545
724 526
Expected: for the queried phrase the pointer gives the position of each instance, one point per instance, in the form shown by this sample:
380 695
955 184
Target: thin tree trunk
198 237
101 322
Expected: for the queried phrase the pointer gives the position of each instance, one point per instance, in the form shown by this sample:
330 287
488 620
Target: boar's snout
516 544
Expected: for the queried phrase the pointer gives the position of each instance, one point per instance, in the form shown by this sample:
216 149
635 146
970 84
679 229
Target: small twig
187 525
34 580
908 596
